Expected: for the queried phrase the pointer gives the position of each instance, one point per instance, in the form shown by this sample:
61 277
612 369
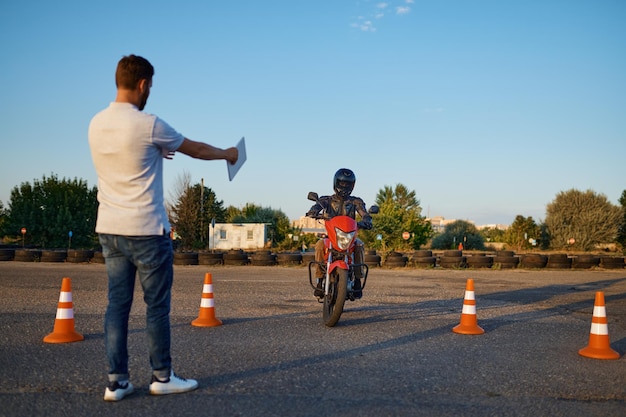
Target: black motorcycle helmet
343 184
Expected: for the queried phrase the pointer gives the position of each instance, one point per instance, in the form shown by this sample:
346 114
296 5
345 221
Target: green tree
231 213
4 215
492 234
621 232
399 212
309 240
459 231
544 239
521 230
579 220
49 209
193 213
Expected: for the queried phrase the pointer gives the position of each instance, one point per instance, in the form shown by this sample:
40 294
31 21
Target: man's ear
143 85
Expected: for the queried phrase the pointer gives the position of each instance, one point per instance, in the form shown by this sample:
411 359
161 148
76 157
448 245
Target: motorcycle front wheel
336 297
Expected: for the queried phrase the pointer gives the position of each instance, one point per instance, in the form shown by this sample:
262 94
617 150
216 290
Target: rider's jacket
336 206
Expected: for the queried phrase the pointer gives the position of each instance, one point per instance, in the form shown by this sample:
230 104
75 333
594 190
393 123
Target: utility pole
202 210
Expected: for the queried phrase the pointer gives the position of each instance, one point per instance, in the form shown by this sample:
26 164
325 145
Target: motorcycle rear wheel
336 297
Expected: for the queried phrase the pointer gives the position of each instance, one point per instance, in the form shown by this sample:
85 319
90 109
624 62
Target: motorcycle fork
329 261
351 274
328 278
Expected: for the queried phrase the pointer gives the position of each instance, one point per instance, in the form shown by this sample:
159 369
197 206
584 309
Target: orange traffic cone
469 323
206 318
599 346
63 331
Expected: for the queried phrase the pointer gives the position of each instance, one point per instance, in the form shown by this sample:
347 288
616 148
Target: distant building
493 226
439 224
309 225
227 236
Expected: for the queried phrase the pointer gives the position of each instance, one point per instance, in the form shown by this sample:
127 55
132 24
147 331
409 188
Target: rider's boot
358 271
319 291
357 289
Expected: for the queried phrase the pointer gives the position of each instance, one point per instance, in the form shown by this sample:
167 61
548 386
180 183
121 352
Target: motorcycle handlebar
319 216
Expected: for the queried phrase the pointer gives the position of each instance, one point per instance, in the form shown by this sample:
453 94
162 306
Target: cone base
63 337
465 329
206 322
599 353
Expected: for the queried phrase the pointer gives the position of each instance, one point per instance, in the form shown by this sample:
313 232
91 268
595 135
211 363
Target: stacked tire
185 258
372 260
423 259
452 259
79 256
7 254
236 257
559 261
53 255
263 258
533 260
308 257
396 260
210 258
289 258
585 261
612 262
97 258
27 255
479 260
506 259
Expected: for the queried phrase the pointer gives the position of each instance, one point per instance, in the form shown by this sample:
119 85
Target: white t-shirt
127 149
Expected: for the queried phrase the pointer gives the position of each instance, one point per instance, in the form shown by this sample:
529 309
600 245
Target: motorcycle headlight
344 238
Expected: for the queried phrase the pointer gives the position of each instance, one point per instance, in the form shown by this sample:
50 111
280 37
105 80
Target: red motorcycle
339 278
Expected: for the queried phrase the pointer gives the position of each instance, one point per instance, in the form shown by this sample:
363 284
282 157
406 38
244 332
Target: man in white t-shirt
128 147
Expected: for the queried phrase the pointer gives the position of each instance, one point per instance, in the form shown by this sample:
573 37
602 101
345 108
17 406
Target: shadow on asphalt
323 359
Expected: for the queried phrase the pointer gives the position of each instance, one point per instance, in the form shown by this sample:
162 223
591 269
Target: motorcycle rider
341 204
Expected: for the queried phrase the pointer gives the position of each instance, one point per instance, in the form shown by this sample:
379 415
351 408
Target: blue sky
486 109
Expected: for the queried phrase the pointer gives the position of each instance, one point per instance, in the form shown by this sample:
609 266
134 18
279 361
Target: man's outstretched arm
200 150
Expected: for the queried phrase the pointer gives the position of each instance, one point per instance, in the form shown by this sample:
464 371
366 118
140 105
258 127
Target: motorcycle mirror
312 196
373 210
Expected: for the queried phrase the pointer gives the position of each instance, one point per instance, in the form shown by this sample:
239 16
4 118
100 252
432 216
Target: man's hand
232 154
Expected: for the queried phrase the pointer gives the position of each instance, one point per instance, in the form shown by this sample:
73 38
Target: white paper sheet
234 168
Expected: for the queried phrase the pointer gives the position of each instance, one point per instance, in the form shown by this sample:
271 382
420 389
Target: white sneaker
116 391
172 385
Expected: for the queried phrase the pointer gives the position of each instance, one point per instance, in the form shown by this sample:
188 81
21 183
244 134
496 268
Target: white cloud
378 11
367 26
363 25
402 10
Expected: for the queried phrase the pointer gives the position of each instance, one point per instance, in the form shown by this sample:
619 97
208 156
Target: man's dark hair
131 69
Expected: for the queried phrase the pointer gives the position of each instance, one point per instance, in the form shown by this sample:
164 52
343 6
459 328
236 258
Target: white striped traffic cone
599 346
63 331
206 318
469 322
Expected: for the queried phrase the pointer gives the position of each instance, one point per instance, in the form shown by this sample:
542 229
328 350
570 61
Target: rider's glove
364 225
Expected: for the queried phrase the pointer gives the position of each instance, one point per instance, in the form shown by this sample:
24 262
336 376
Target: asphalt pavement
393 353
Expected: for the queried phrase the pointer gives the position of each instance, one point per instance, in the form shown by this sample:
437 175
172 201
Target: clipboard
234 168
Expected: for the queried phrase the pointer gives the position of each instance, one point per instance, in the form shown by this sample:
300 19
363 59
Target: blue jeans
150 258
